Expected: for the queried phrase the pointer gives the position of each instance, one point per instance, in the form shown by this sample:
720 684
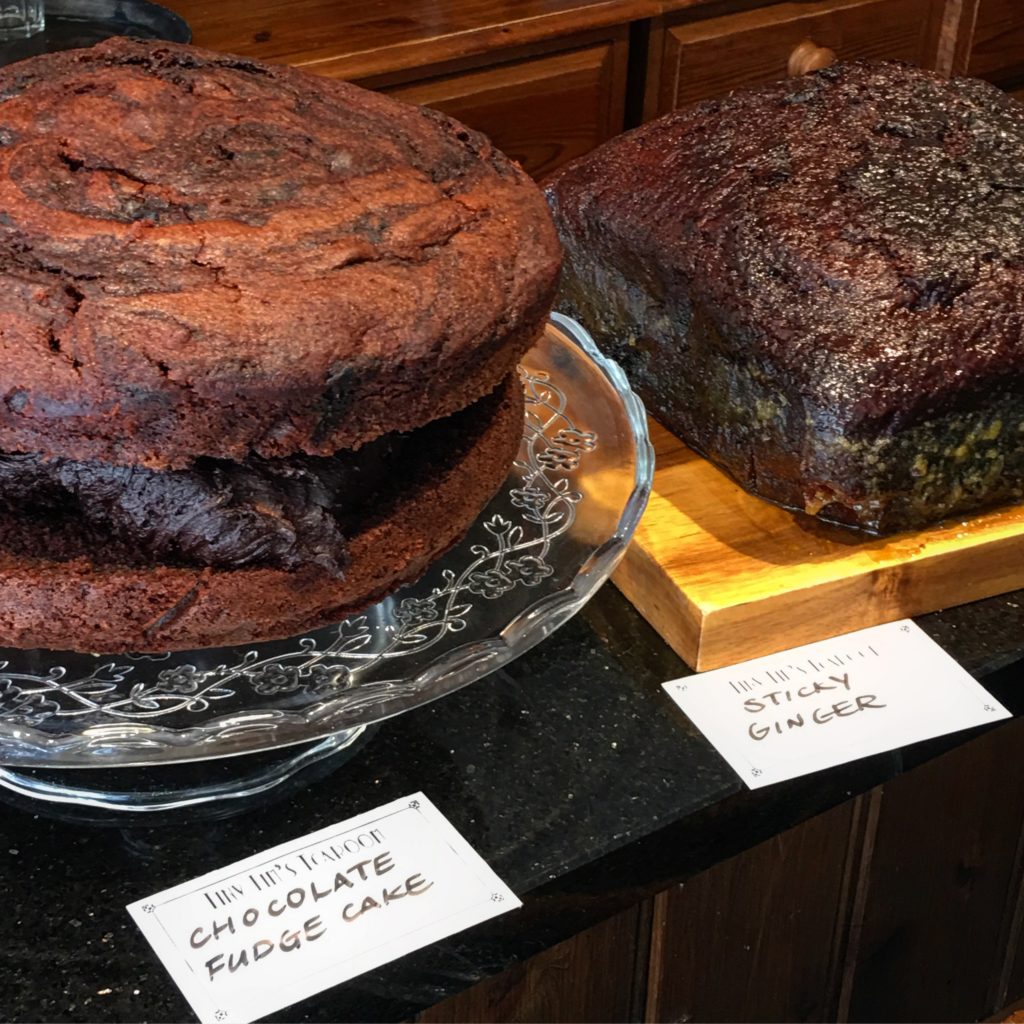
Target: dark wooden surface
943 882
709 56
378 40
544 110
997 52
958 20
760 937
375 37
599 976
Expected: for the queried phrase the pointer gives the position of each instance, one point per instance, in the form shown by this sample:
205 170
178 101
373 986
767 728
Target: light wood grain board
724 576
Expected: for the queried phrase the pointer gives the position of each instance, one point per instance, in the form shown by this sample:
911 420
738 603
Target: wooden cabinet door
542 111
997 47
712 56
760 937
598 976
940 906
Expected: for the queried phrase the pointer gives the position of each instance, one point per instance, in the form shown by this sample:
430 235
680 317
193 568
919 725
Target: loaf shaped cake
259 333
819 285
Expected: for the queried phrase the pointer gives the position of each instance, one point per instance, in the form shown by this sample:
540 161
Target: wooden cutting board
724 576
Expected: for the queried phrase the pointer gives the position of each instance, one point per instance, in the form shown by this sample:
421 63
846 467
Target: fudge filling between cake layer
275 513
281 513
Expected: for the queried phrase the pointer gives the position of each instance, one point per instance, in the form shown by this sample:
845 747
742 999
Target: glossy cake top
860 230
203 255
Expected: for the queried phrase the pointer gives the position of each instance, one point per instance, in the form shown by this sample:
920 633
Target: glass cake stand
533 558
74 23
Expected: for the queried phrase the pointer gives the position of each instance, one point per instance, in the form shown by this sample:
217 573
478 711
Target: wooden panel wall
599 976
761 937
542 111
997 50
944 879
710 56
904 905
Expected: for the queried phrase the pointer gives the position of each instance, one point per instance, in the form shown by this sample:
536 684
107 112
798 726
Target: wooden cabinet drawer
997 50
711 56
542 111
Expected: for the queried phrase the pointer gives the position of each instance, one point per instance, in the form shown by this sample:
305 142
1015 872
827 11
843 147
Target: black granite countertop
569 771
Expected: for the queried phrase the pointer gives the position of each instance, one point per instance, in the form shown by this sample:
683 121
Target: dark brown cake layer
202 255
820 285
436 485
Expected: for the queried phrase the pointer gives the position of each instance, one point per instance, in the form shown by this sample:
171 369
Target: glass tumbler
20 19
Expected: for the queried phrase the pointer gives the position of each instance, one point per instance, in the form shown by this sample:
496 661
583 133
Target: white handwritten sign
282 925
813 707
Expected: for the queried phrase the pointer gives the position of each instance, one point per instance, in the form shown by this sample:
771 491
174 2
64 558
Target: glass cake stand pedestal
218 787
71 24
142 733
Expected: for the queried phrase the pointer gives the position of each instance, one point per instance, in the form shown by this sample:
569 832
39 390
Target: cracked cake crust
201 255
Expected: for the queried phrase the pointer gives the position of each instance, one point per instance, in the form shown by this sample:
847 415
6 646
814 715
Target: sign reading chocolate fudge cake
819 284
259 333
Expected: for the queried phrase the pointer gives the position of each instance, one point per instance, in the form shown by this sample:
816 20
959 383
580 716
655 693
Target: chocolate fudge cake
258 339
201 255
819 284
